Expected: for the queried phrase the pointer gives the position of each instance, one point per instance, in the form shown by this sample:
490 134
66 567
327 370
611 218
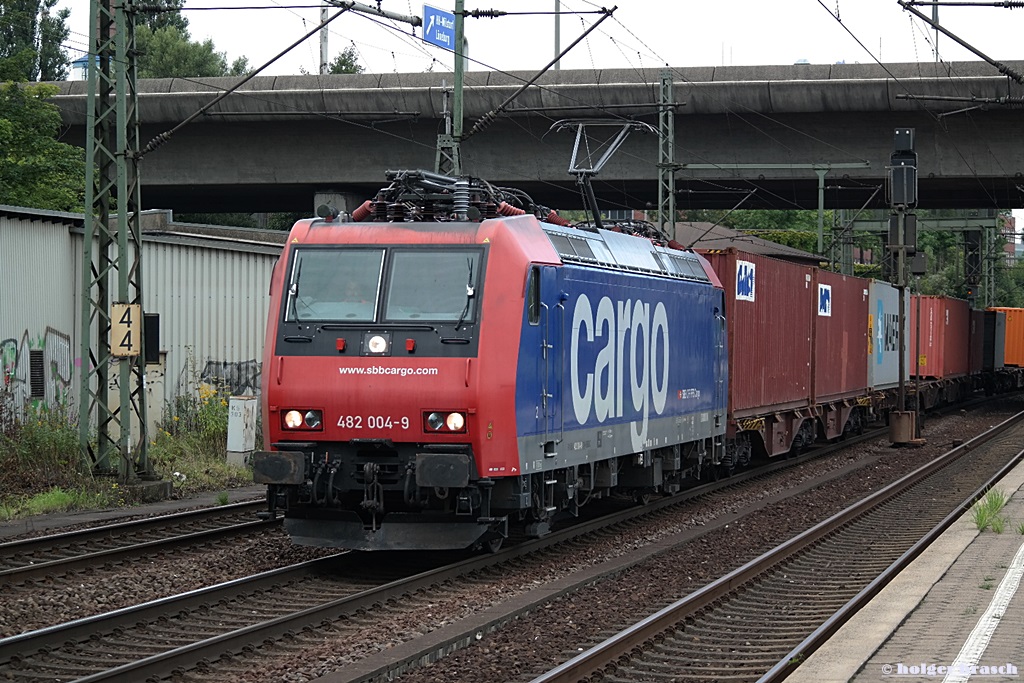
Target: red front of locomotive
386 427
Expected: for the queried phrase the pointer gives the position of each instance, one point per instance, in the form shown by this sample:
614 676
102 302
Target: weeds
40 467
38 448
222 498
986 511
191 440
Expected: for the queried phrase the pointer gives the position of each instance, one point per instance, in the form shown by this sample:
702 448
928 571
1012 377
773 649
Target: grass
41 472
986 511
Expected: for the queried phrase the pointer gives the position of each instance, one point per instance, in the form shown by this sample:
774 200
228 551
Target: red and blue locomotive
453 361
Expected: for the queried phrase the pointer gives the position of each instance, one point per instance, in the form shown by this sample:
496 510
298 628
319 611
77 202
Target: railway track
33 558
760 621
340 595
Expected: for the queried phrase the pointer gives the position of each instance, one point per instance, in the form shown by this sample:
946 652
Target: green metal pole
460 67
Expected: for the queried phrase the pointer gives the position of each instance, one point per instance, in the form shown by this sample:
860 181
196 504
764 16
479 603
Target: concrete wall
279 140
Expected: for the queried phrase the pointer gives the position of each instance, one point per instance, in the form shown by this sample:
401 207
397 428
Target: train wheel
494 545
642 497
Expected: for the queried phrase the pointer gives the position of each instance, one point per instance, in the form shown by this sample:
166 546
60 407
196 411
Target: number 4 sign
125 330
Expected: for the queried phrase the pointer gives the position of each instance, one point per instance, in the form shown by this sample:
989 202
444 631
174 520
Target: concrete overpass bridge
782 131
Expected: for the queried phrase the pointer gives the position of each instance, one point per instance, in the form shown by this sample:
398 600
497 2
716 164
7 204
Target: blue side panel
628 353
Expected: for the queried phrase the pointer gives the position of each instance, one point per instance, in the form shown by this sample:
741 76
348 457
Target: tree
797 229
36 170
168 14
31 41
346 63
239 67
169 53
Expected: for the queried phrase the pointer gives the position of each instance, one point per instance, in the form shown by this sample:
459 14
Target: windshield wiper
469 294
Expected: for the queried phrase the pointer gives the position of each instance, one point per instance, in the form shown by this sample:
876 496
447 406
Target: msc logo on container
825 300
744 281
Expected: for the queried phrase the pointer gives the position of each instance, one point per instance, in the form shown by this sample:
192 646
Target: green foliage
40 447
36 170
346 63
39 461
283 221
168 52
797 229
59 500
32 35
985 512
237 220
166 49
271 221
163 13
222 498
239 67
191 441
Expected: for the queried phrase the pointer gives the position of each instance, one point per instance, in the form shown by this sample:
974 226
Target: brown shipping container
769 308
945 336
977 360
1014 350
840 337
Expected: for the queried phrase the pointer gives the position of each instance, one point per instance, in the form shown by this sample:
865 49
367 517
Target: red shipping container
769 308
945 336
840 337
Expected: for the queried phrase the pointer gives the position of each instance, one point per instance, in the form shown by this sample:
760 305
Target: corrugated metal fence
209 290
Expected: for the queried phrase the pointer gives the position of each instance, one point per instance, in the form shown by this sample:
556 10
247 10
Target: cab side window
533 296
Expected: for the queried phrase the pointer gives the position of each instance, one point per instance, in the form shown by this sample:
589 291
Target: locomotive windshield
334 284
432 285
344 285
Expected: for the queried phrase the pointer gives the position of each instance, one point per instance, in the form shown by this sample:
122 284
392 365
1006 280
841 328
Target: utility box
901 426
241 429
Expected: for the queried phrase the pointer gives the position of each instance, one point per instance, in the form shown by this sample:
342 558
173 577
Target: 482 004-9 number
373 422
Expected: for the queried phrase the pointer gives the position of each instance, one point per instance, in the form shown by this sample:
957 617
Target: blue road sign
439 27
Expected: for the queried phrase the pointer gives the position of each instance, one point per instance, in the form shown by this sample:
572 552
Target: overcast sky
641 33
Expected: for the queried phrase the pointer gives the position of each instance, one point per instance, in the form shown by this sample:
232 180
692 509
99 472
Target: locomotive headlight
312 420
444 422
377 344
455 422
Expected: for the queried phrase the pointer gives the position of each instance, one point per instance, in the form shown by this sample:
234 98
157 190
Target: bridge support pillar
343 201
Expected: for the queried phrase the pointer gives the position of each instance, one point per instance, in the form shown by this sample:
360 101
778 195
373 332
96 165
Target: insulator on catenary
553 217
506 209
460 202
363 211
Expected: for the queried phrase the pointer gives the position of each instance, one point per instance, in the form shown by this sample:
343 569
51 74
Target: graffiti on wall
240 378
37 370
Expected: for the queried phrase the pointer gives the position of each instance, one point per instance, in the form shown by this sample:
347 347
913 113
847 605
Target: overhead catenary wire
489 117
166 135
1003 68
